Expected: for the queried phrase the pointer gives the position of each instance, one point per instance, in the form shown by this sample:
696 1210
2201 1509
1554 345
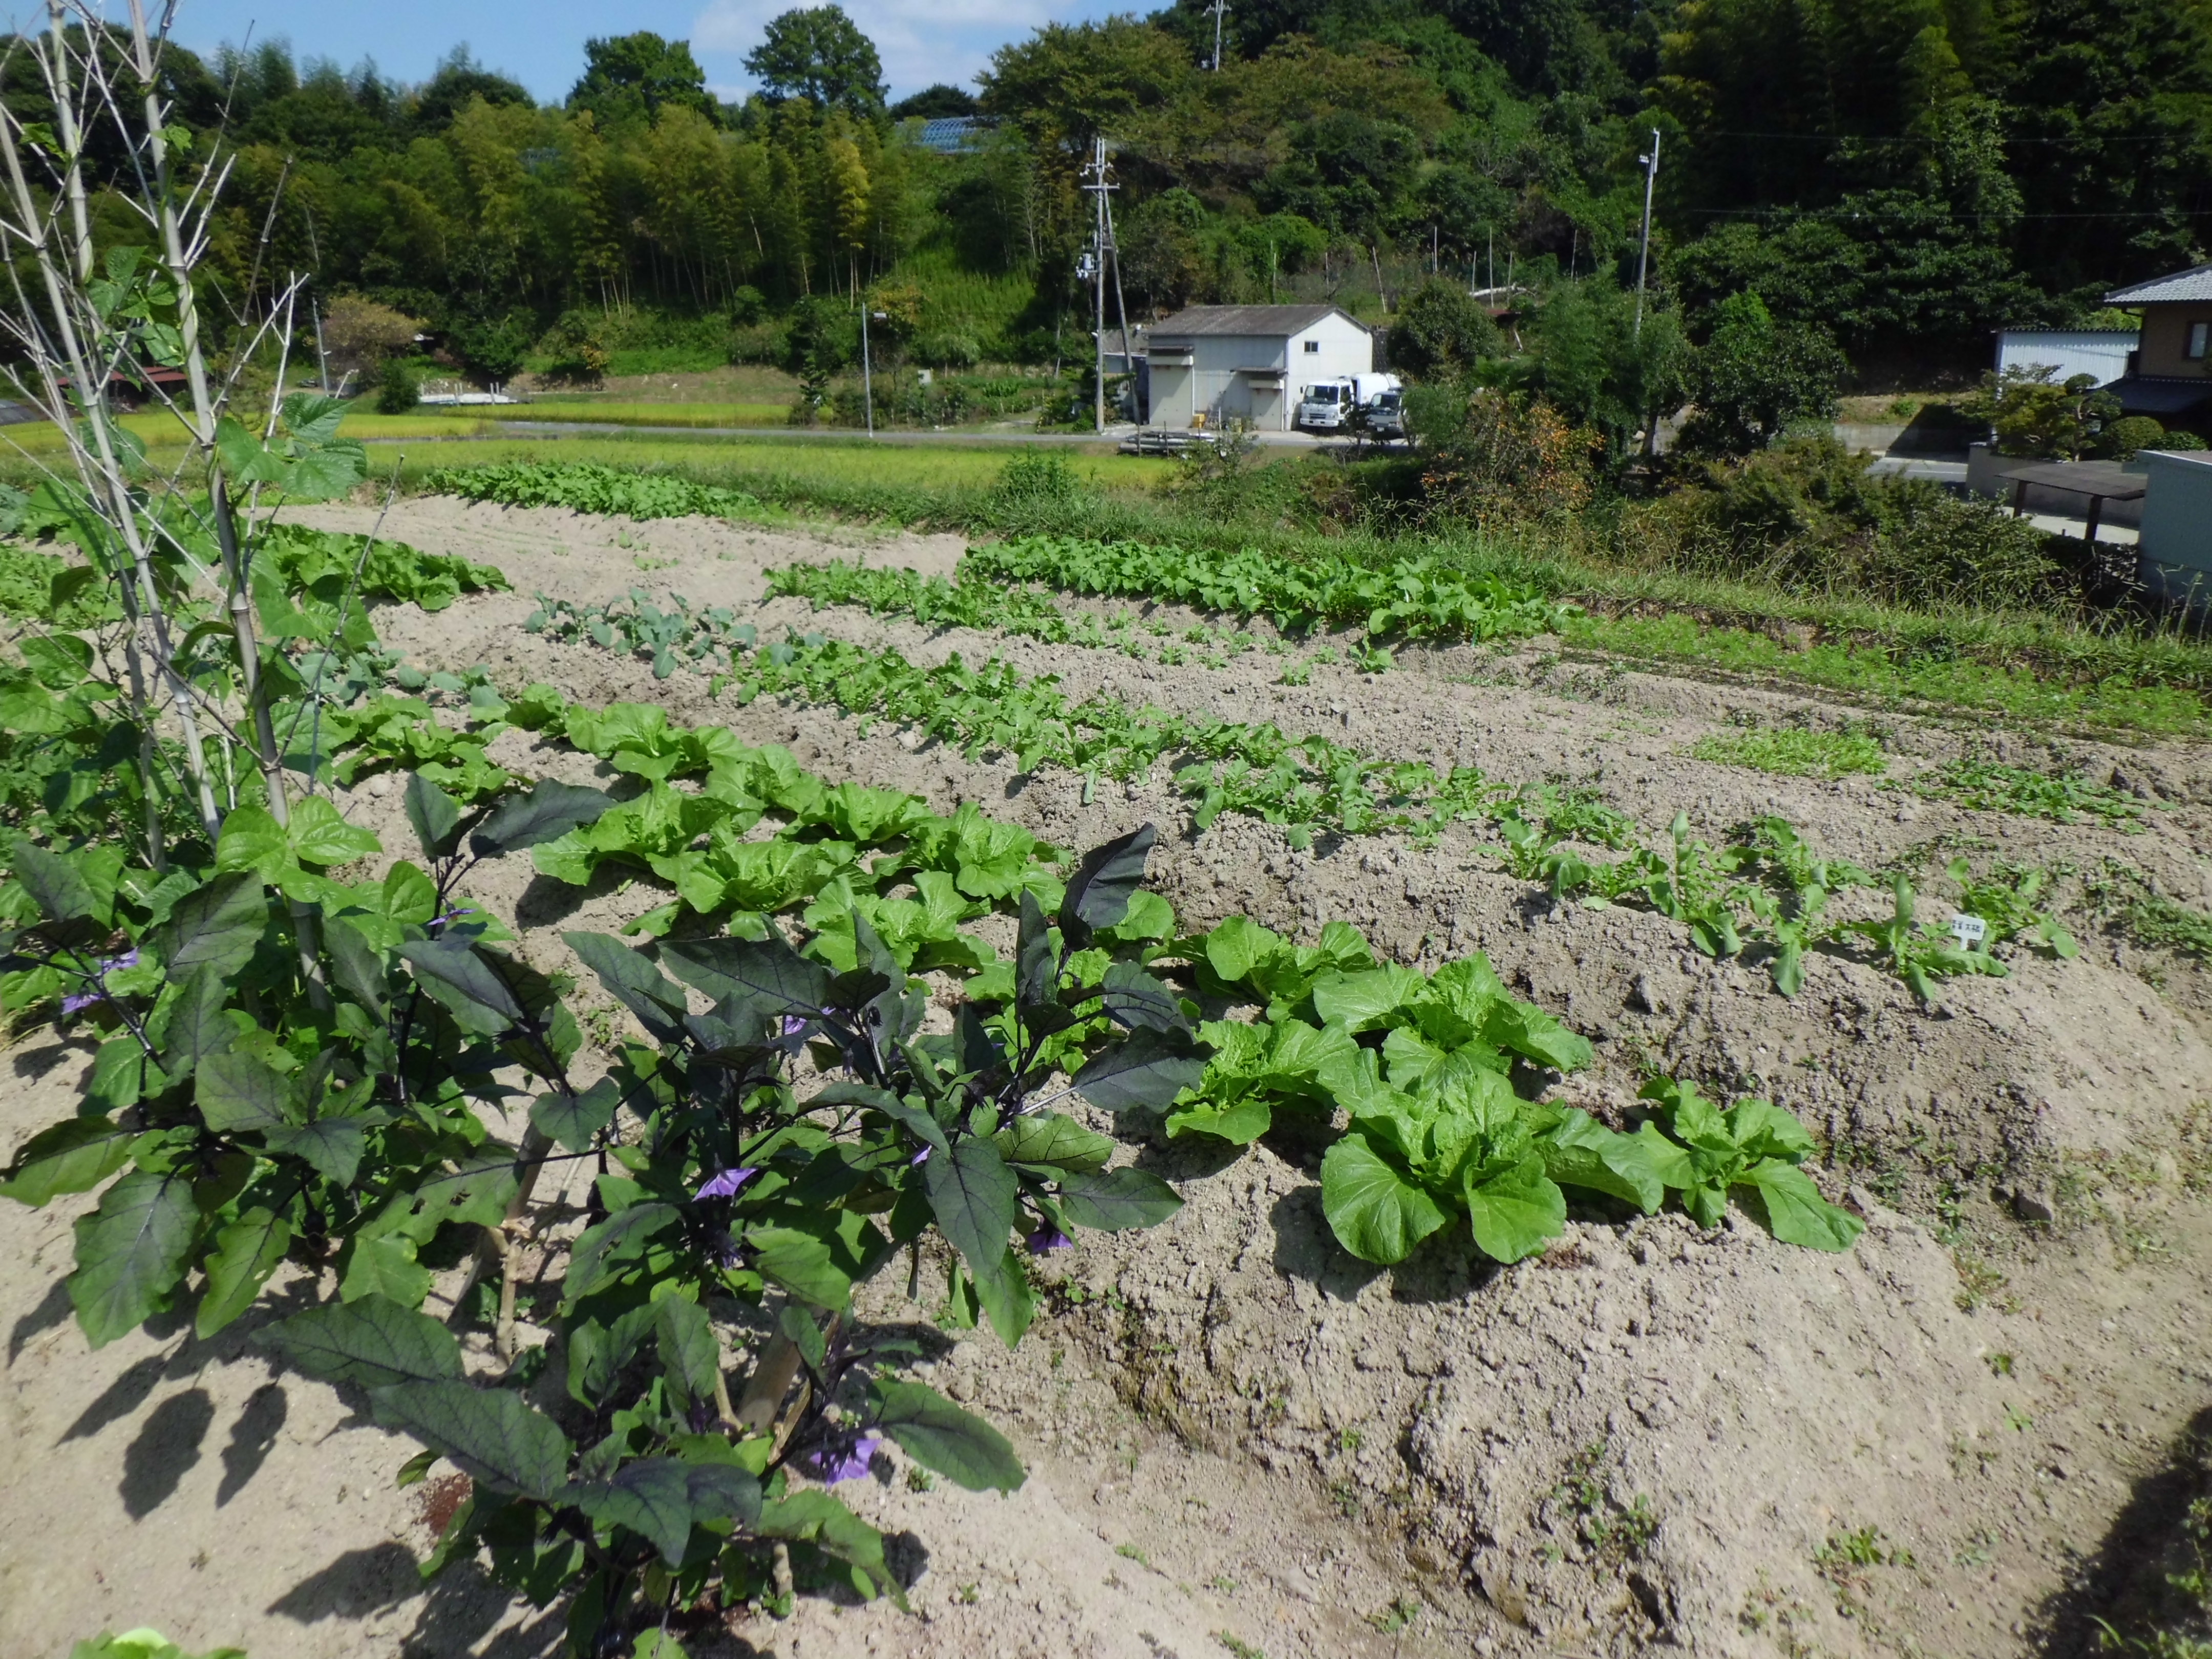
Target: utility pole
1219 7
1101 238
867 371
1644 256
322 357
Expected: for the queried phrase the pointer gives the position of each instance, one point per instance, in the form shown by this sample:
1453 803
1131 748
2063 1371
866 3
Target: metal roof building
1250 362
950 134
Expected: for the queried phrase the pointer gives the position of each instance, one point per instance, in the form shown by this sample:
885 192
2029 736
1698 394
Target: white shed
1250 362
2101 353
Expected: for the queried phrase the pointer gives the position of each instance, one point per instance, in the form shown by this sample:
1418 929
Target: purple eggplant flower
453 915
76 1001
793 1025
1047 1239
830 1468
918 1159
726 1184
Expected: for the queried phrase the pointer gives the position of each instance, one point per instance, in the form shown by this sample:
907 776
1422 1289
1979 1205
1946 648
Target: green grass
645 414
1887 659
925 486
1795 751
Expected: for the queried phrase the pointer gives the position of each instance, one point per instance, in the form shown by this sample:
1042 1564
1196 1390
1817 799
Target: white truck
1329 405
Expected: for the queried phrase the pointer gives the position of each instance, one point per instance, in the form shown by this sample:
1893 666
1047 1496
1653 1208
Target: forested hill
1909 173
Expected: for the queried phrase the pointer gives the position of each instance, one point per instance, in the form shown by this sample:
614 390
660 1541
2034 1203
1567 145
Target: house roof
1283 320
2192 284
2160 394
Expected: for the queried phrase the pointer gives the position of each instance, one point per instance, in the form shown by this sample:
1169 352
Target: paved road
1903 466
1113 435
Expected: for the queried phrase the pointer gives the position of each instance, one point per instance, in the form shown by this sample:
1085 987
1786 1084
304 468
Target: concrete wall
2175 553
2166 339
2099 352
1217 381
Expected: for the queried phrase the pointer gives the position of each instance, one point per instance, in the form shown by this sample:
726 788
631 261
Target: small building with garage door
1218 364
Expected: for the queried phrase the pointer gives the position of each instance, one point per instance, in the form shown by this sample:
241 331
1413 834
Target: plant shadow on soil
2126 1586
169 1441
461 1609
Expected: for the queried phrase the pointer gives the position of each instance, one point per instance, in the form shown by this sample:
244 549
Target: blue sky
541 43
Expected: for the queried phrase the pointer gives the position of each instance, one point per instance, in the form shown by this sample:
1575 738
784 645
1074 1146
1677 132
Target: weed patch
1988 787
1796 751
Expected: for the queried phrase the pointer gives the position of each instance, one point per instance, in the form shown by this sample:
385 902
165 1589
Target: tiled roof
2195 284
1244 320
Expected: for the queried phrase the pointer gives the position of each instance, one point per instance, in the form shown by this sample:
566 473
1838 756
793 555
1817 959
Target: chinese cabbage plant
1425 1068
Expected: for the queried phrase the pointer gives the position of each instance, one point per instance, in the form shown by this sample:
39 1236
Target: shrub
748 305
397 389
948 351
1037 477
2035 415
1810 516
1502 458
821 338
2123 438
495 349
759 342
575 349
1222 480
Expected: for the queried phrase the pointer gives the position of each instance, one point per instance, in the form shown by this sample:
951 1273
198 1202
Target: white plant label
1971 931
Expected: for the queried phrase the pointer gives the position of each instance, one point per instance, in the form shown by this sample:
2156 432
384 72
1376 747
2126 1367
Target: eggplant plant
761 1160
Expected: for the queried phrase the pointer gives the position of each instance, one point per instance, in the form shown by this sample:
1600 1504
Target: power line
1869 138
2008 218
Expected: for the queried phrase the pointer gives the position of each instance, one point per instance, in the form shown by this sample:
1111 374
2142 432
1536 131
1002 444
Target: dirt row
1648 1434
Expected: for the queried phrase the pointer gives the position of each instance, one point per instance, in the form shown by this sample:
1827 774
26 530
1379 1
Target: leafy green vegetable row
322 561
1408 598
589 486
346 1132
1425 1068
1306 783
1314 783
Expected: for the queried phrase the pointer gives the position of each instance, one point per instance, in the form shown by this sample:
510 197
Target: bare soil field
1949 1440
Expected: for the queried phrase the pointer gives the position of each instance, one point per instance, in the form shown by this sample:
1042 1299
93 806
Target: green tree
631 78
1601 369
935 103
2035 415
817 52
1440 330
1756 377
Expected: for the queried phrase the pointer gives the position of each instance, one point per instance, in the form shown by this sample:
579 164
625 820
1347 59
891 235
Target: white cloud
921 41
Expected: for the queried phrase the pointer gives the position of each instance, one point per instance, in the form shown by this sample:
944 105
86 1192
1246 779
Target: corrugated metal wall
2175 550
